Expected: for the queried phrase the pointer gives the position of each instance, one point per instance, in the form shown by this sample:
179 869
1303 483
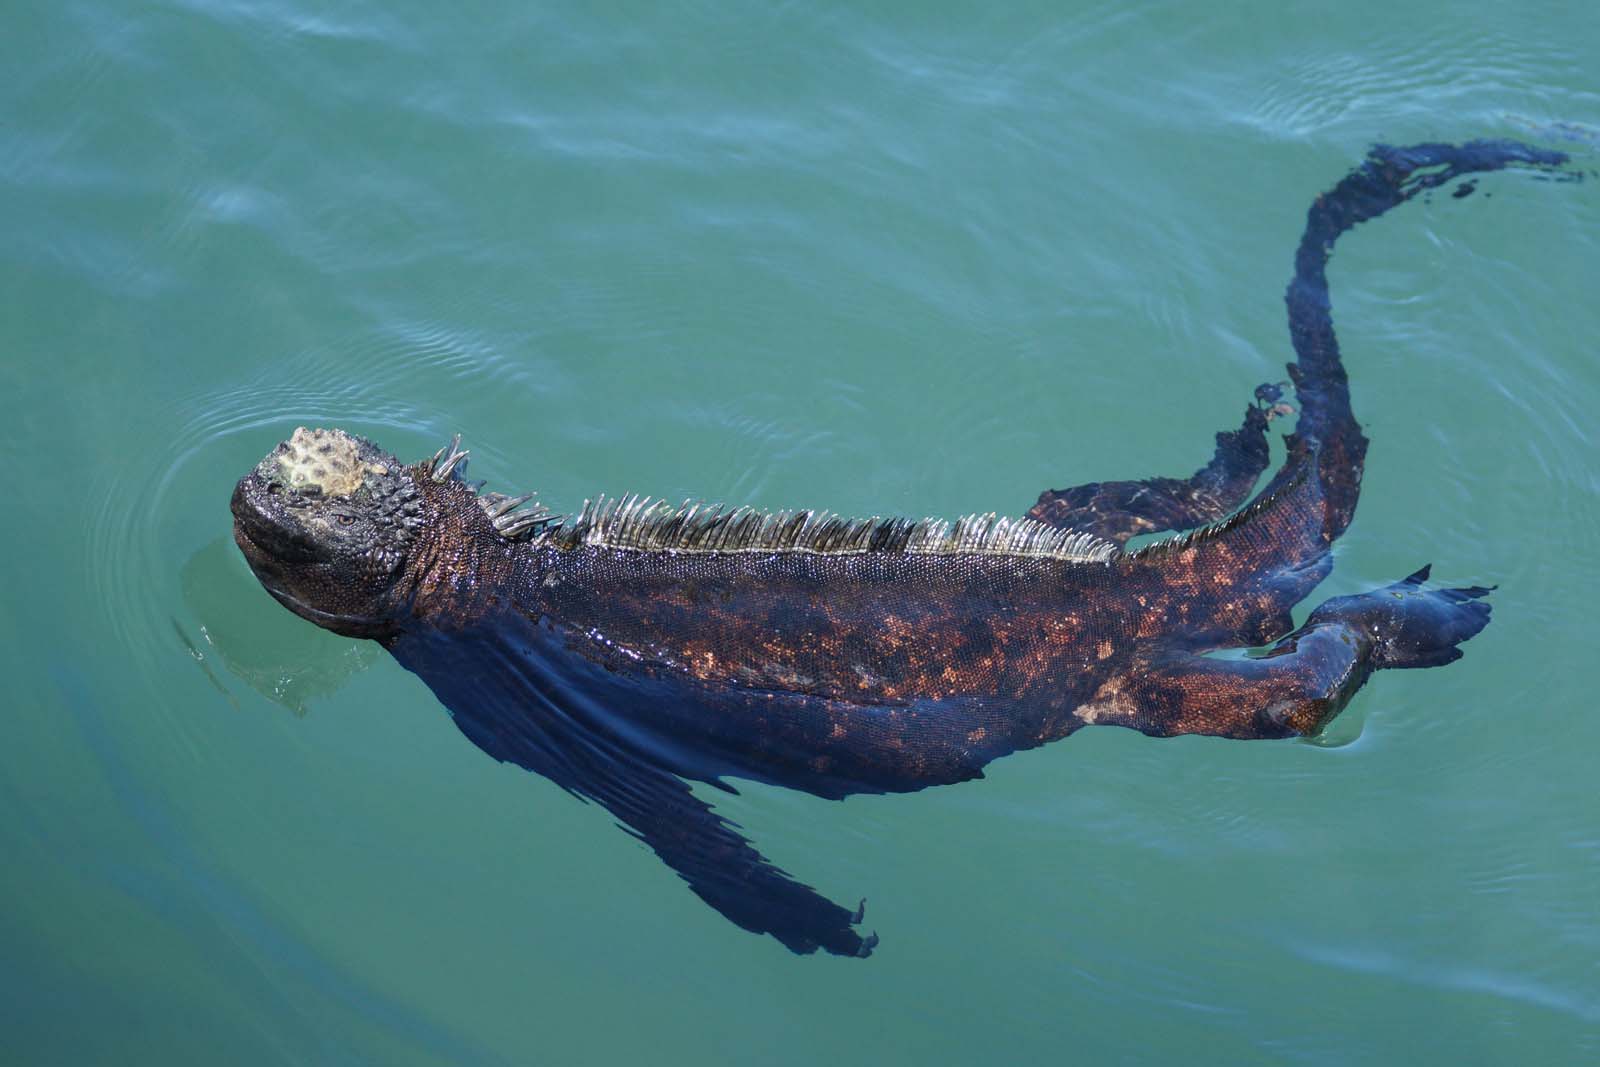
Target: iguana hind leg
1120 510
1303 680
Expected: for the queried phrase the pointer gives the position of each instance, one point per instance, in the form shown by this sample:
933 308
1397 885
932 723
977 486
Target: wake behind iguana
638 646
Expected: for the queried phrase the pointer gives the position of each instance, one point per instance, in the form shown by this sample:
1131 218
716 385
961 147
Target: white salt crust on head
325 460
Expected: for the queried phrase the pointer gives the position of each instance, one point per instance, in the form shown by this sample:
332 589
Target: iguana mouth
316 615
266 539
268 565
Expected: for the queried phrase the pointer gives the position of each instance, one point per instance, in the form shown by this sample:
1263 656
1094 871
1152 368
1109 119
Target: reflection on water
1571 132
272 652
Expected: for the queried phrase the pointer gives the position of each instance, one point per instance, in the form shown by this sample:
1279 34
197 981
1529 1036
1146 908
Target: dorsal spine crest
644 524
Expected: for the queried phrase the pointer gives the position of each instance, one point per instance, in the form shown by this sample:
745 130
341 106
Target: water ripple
161 503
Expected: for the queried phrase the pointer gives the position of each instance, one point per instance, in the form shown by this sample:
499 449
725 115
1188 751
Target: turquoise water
901 258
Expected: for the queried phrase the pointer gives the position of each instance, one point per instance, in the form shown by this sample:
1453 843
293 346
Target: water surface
882 258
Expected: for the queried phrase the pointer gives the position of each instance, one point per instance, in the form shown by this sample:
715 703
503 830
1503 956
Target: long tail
1327 434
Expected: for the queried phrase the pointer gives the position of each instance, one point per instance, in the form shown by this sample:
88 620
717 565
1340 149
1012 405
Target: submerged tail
1327 434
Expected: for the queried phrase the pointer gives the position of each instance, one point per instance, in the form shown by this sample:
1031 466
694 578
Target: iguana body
640 645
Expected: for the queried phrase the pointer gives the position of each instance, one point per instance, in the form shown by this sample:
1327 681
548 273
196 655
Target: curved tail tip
1472 155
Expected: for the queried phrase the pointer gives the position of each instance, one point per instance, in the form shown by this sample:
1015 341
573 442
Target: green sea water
878 258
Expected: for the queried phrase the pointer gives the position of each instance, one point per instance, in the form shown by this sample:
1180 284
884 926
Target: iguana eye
345 520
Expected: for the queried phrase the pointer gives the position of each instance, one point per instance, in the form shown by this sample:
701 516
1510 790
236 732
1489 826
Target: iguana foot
1410 626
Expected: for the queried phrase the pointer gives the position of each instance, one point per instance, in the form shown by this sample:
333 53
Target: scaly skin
625 651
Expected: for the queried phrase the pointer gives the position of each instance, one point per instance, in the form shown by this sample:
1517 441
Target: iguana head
328 522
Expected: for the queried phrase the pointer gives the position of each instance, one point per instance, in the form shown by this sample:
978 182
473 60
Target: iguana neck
461 568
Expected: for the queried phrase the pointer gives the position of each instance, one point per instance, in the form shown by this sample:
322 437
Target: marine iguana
638 646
